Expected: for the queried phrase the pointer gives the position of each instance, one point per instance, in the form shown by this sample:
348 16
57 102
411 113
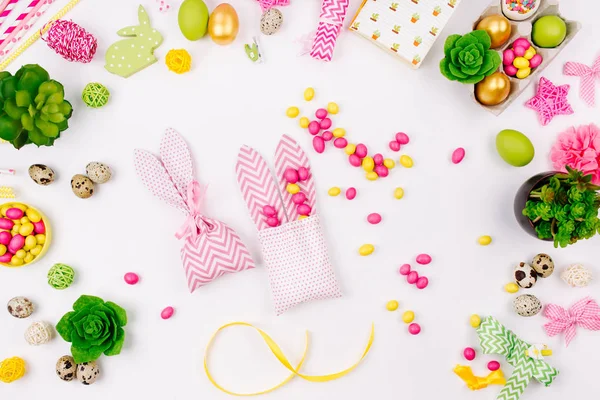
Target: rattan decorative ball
95 95
61 276
38 333
12 369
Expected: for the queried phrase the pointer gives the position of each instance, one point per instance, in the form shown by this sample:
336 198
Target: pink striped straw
21 21
27 24
6 8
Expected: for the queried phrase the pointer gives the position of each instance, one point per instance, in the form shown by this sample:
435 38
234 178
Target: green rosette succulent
469 58
93 327
32 107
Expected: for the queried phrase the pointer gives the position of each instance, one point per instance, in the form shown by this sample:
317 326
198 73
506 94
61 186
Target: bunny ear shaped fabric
176 158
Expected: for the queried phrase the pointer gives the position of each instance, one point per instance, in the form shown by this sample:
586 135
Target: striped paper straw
6 8
12 30
27 24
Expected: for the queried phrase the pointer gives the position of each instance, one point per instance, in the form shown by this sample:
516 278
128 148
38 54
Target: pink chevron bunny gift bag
289 228
211 248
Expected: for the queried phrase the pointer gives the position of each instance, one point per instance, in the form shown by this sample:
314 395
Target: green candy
193 19
514 147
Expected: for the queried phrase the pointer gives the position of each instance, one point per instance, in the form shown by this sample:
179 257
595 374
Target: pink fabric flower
578 148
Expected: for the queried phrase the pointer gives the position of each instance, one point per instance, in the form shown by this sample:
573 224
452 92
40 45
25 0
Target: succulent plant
396 28
33 108
469 58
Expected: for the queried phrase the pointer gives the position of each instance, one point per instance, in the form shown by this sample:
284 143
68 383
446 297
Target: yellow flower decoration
178 61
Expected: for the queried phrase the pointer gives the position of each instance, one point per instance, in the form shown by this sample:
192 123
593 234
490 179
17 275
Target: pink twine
71 41
266 4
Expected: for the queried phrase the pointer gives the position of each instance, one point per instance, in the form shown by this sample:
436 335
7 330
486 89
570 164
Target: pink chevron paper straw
6 8
27 24
333 13
21 20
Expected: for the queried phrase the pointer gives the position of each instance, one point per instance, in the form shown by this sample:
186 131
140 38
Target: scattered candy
319 144
414 329
291 176
519 60
23 235
340 143
408 317
272 222
366 249
381 171
475 321
167 312
321 113
412 277
392 305
333 108
402 138
361 150
302 173
511 287
493 365
378 159
131 278
350 193
339 132
374 218
389 163
314 127
292 188
334 191
422 282
298 198
304 122
309 94
327 136
484 240
404 269
368 164
292 112
469 353
325 123
423 259
350 149
304 209
354 160
372 176
458 155
406 161
399 193
395 146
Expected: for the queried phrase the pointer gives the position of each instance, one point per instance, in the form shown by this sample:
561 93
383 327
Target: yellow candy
392 305
292 112
333 108
24 220
484 240
29 258
511 287
334 191
30 242
302 217
399 193
40 238
368 164
2 250
16 227
20 207
372 176
21 253
309 93
16 261
33 215
523 73
36 250
389 163
292 188
521 62
529 53
26 229
406 161
366 249
408 317
339 132
304 122
4 209
475 321
350 148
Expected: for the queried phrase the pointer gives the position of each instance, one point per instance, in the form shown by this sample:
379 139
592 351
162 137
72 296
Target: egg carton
523 29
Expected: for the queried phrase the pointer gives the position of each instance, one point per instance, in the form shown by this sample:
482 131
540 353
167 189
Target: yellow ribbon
479 382
278 353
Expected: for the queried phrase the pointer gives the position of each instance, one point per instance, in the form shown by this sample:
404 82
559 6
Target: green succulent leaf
23 98
9 88
55 98
9 128
450 44
56 118
12 110
21 139
483 38
37 138
468 58
27 121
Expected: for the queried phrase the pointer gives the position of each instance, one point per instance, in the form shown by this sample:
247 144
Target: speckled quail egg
88 372
82 186
66 368
527 305
41 174
98 172
20 307
271 21
525 276
543 265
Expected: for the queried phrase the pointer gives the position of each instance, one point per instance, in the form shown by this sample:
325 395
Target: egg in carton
523 29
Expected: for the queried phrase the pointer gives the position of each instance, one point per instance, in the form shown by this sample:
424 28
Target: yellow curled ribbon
479 382
278 353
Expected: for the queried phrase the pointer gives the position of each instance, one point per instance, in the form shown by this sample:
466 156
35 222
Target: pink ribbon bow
584 313
588 75
195 223
266 4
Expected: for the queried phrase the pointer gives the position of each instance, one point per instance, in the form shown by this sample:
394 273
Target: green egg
514 147
193 19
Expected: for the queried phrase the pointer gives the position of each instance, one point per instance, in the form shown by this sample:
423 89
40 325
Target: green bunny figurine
128 56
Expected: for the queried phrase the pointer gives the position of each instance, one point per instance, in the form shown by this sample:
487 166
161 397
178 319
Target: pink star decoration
550 100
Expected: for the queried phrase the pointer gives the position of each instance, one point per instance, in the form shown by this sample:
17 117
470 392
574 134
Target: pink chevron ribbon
333 13
266 4
588 76
585 313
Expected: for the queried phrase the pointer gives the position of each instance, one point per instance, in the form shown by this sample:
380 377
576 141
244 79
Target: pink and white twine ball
71 41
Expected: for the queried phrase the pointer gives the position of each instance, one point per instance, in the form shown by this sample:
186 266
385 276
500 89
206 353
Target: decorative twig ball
71 41
95 95
178 61
61 276
38 333
577 275
12 369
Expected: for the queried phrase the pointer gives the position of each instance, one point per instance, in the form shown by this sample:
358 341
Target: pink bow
195 222
584 313
588 77
266 4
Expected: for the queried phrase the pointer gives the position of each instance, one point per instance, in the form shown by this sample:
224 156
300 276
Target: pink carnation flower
578 148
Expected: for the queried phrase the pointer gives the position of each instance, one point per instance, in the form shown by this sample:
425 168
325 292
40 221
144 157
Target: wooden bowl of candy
24 234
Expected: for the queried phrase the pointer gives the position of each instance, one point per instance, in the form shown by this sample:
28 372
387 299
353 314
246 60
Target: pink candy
272 222
412 277
314 127
458 155
423 259
469 353
304 209
5 237
404 269
291 175
519 51
167 312
382 171
340 143
6 257
422 282
535 61
395 146
321 113
325 123
493 365
269 211
319 144
16 243
508 57
378 159
374 218
402 138
6 224
350 193
522 42
14 213
131 278
327 136
361 150
299 198
302 173
39 227
414 329
354 160
511 70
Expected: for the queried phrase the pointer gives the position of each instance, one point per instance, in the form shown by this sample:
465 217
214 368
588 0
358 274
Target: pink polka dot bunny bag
289 228
210 248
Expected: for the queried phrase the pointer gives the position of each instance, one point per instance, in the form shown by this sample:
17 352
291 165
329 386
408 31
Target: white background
225 102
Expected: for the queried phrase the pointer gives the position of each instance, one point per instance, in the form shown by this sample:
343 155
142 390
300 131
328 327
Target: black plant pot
523 195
